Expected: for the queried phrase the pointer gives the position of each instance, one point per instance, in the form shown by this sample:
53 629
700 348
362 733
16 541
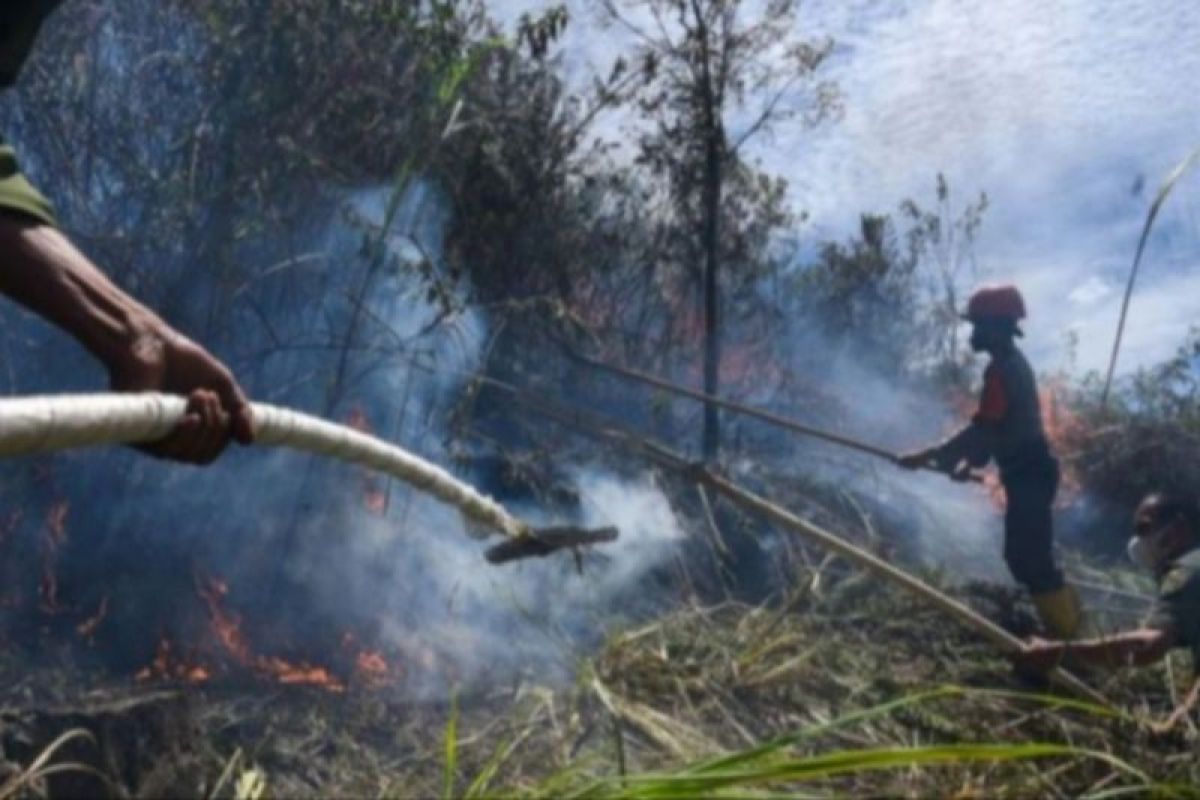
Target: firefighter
1166 542
42 270
1007 427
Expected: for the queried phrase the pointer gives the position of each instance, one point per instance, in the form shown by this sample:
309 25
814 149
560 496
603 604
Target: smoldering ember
621 399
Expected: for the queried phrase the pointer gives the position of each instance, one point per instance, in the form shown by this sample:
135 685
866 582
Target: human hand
963 473
1038 655
162 360
915 460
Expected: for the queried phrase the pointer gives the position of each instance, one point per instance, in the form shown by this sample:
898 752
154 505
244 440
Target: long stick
766 416
730 405
1163 191
594 425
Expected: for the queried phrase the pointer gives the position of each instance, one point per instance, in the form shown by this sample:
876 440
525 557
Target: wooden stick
758 413
730 405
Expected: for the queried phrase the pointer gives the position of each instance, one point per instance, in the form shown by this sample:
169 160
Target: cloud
1057 109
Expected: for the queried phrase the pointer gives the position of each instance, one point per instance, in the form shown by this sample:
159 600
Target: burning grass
842 687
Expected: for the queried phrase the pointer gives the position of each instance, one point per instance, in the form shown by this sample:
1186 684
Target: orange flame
166 665
87 628
53 540
375 496
227 627
371 668
1063 429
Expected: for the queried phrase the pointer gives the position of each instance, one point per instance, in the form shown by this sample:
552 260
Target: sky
1067 113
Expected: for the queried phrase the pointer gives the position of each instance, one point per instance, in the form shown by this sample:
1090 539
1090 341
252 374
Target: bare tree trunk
712 323
714 146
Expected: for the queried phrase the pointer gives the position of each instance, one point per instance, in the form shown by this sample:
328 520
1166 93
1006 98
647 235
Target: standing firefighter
1008 428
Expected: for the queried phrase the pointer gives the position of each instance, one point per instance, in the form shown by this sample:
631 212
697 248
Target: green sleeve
17 194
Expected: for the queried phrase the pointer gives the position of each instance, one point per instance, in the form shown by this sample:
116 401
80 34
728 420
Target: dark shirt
1008 423
1178 606
20 21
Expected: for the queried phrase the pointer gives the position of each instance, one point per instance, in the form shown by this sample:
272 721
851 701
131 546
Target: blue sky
1053 107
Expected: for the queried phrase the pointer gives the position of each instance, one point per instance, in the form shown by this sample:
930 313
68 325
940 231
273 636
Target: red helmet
996 302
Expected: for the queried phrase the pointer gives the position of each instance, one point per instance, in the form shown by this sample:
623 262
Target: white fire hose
45 424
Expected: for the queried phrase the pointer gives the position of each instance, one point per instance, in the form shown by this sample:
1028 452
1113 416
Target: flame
371 669
1063 428
166 665
54 539
375 496
87 628
227 628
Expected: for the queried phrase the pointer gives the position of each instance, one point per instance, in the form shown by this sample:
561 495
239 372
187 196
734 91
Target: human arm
43 271
1129 648
957 456
971 446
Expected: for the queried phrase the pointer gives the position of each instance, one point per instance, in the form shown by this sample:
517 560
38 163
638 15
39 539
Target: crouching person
1166 541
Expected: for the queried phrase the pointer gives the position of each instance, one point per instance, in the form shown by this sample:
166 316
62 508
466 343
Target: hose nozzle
544 541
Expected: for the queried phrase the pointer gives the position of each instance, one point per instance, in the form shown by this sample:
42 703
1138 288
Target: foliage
1144 438
702 62
840 688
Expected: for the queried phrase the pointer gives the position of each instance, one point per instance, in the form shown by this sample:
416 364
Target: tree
701 63
945 244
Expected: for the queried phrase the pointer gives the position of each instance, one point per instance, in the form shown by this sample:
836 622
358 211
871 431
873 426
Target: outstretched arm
970 447
43 271
1130 648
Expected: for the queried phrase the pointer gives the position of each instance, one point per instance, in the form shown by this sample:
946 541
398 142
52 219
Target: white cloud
1094 290
1056 108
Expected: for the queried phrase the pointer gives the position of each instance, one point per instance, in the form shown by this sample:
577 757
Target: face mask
978 340
1143 552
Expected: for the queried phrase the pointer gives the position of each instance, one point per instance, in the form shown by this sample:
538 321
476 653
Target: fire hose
31 425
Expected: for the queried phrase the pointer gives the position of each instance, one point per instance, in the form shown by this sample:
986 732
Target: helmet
996 302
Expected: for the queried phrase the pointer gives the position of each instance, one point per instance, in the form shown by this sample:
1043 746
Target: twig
718 540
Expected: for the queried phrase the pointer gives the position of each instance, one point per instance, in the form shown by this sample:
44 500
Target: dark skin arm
44 272
1130 648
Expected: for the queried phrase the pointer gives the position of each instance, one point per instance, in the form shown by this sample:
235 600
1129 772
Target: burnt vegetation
402 216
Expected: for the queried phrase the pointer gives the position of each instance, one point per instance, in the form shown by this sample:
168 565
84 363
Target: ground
659 701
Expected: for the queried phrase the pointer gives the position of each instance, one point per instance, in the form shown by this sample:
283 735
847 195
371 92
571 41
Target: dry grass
843 688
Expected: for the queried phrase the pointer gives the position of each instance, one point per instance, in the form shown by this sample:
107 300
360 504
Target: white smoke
415 570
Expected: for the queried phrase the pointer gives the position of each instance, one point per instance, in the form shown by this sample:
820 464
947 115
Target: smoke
481 624
315 554
952 528
409 570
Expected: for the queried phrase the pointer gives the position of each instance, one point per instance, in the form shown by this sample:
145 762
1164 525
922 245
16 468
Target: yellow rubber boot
1060 611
